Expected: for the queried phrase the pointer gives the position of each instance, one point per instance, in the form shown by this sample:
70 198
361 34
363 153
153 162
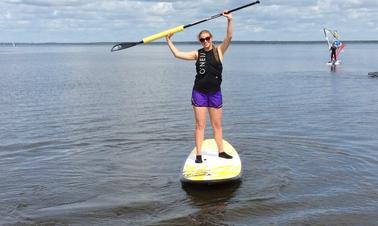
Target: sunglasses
203 39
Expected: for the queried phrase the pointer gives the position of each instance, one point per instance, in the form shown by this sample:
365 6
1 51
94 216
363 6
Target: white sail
333 37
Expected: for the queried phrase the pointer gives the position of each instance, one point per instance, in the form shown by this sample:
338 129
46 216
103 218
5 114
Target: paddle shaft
220 14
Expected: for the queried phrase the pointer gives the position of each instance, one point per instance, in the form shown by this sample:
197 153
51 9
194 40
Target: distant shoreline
183 42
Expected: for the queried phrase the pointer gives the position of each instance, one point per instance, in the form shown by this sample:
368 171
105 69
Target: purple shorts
213 100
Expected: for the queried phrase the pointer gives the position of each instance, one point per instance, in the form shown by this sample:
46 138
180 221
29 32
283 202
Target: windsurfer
333 52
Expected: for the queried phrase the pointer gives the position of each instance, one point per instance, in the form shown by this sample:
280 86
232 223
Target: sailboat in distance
333 39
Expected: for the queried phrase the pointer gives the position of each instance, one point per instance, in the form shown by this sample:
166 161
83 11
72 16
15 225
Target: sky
132 20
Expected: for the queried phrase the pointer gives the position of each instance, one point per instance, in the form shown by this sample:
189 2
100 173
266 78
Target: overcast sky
132 20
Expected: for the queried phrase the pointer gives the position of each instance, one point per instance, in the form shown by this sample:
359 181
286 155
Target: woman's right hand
168 37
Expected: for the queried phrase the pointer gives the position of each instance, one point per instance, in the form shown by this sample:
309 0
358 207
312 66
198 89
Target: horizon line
184 42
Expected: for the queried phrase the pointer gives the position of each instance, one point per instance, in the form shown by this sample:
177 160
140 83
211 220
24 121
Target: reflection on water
93 138
333 68
211 201
202 194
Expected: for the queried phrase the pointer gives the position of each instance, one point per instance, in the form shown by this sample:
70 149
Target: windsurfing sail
333 37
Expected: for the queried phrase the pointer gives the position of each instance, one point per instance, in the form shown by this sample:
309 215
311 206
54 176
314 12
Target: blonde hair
202 32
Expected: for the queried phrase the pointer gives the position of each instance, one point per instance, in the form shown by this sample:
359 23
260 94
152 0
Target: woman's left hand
227 15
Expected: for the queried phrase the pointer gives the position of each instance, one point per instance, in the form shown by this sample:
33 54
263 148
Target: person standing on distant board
206 93
333 52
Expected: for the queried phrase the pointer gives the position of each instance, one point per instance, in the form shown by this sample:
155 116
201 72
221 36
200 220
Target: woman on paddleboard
206 94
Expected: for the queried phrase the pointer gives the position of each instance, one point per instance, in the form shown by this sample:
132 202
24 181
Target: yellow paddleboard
213 169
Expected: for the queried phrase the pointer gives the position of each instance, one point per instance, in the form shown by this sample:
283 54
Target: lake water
89 137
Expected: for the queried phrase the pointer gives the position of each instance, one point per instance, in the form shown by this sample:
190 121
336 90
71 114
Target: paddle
125 45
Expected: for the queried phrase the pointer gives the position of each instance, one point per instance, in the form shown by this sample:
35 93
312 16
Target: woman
206 94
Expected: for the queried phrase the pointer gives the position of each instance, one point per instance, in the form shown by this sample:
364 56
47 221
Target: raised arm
227 40
178 54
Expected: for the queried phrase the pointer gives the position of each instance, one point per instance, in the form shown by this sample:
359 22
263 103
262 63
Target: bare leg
216 123
200 120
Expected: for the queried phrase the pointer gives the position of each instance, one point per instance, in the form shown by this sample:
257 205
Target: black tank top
209 72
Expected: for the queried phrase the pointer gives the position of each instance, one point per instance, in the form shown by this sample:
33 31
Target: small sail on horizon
333 37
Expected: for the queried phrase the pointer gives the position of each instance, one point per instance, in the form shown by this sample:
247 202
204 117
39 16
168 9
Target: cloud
114 20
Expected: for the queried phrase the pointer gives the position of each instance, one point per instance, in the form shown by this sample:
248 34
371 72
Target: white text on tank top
202 63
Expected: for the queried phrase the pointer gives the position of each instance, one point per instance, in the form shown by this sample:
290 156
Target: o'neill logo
202 63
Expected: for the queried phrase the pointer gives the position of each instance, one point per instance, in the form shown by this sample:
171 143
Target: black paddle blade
124 45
